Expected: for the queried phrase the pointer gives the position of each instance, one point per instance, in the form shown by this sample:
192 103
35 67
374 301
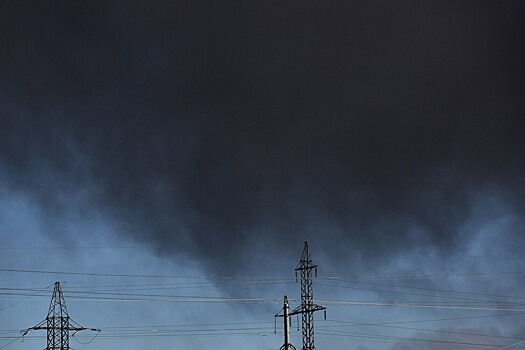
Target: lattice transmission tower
307 307
58 324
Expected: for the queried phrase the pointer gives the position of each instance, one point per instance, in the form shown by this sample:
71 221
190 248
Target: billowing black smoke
217 130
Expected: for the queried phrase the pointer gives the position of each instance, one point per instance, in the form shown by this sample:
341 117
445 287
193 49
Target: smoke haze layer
224 132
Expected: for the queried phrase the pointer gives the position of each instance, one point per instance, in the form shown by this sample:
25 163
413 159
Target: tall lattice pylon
58 324
307 307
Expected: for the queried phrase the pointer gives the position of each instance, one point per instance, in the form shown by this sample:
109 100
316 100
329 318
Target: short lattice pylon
58 324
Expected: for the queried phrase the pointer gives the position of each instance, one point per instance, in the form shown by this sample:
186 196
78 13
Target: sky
166 161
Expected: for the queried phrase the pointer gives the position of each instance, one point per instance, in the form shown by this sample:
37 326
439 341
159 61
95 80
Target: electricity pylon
58 323
307 307
287 345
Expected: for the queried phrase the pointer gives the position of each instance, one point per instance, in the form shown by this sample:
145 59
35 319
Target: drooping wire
27 297
12 341
511 345
90 341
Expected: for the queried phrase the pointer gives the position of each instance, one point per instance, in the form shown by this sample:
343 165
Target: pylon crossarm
84 329
23 332
315 308
306 267
281 314
297 310
74 329
301 309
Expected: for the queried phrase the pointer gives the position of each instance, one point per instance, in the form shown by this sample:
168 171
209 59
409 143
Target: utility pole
58 323
307 307
287 345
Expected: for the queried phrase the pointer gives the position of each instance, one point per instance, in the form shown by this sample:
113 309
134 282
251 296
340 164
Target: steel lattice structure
307 307
58 323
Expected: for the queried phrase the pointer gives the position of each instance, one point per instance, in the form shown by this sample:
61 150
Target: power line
406 339
431 275
11 342
417 329
27 297
268 278
414 305
148 276
97 295
424 288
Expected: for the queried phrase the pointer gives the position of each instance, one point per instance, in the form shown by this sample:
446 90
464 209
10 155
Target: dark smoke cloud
213 129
